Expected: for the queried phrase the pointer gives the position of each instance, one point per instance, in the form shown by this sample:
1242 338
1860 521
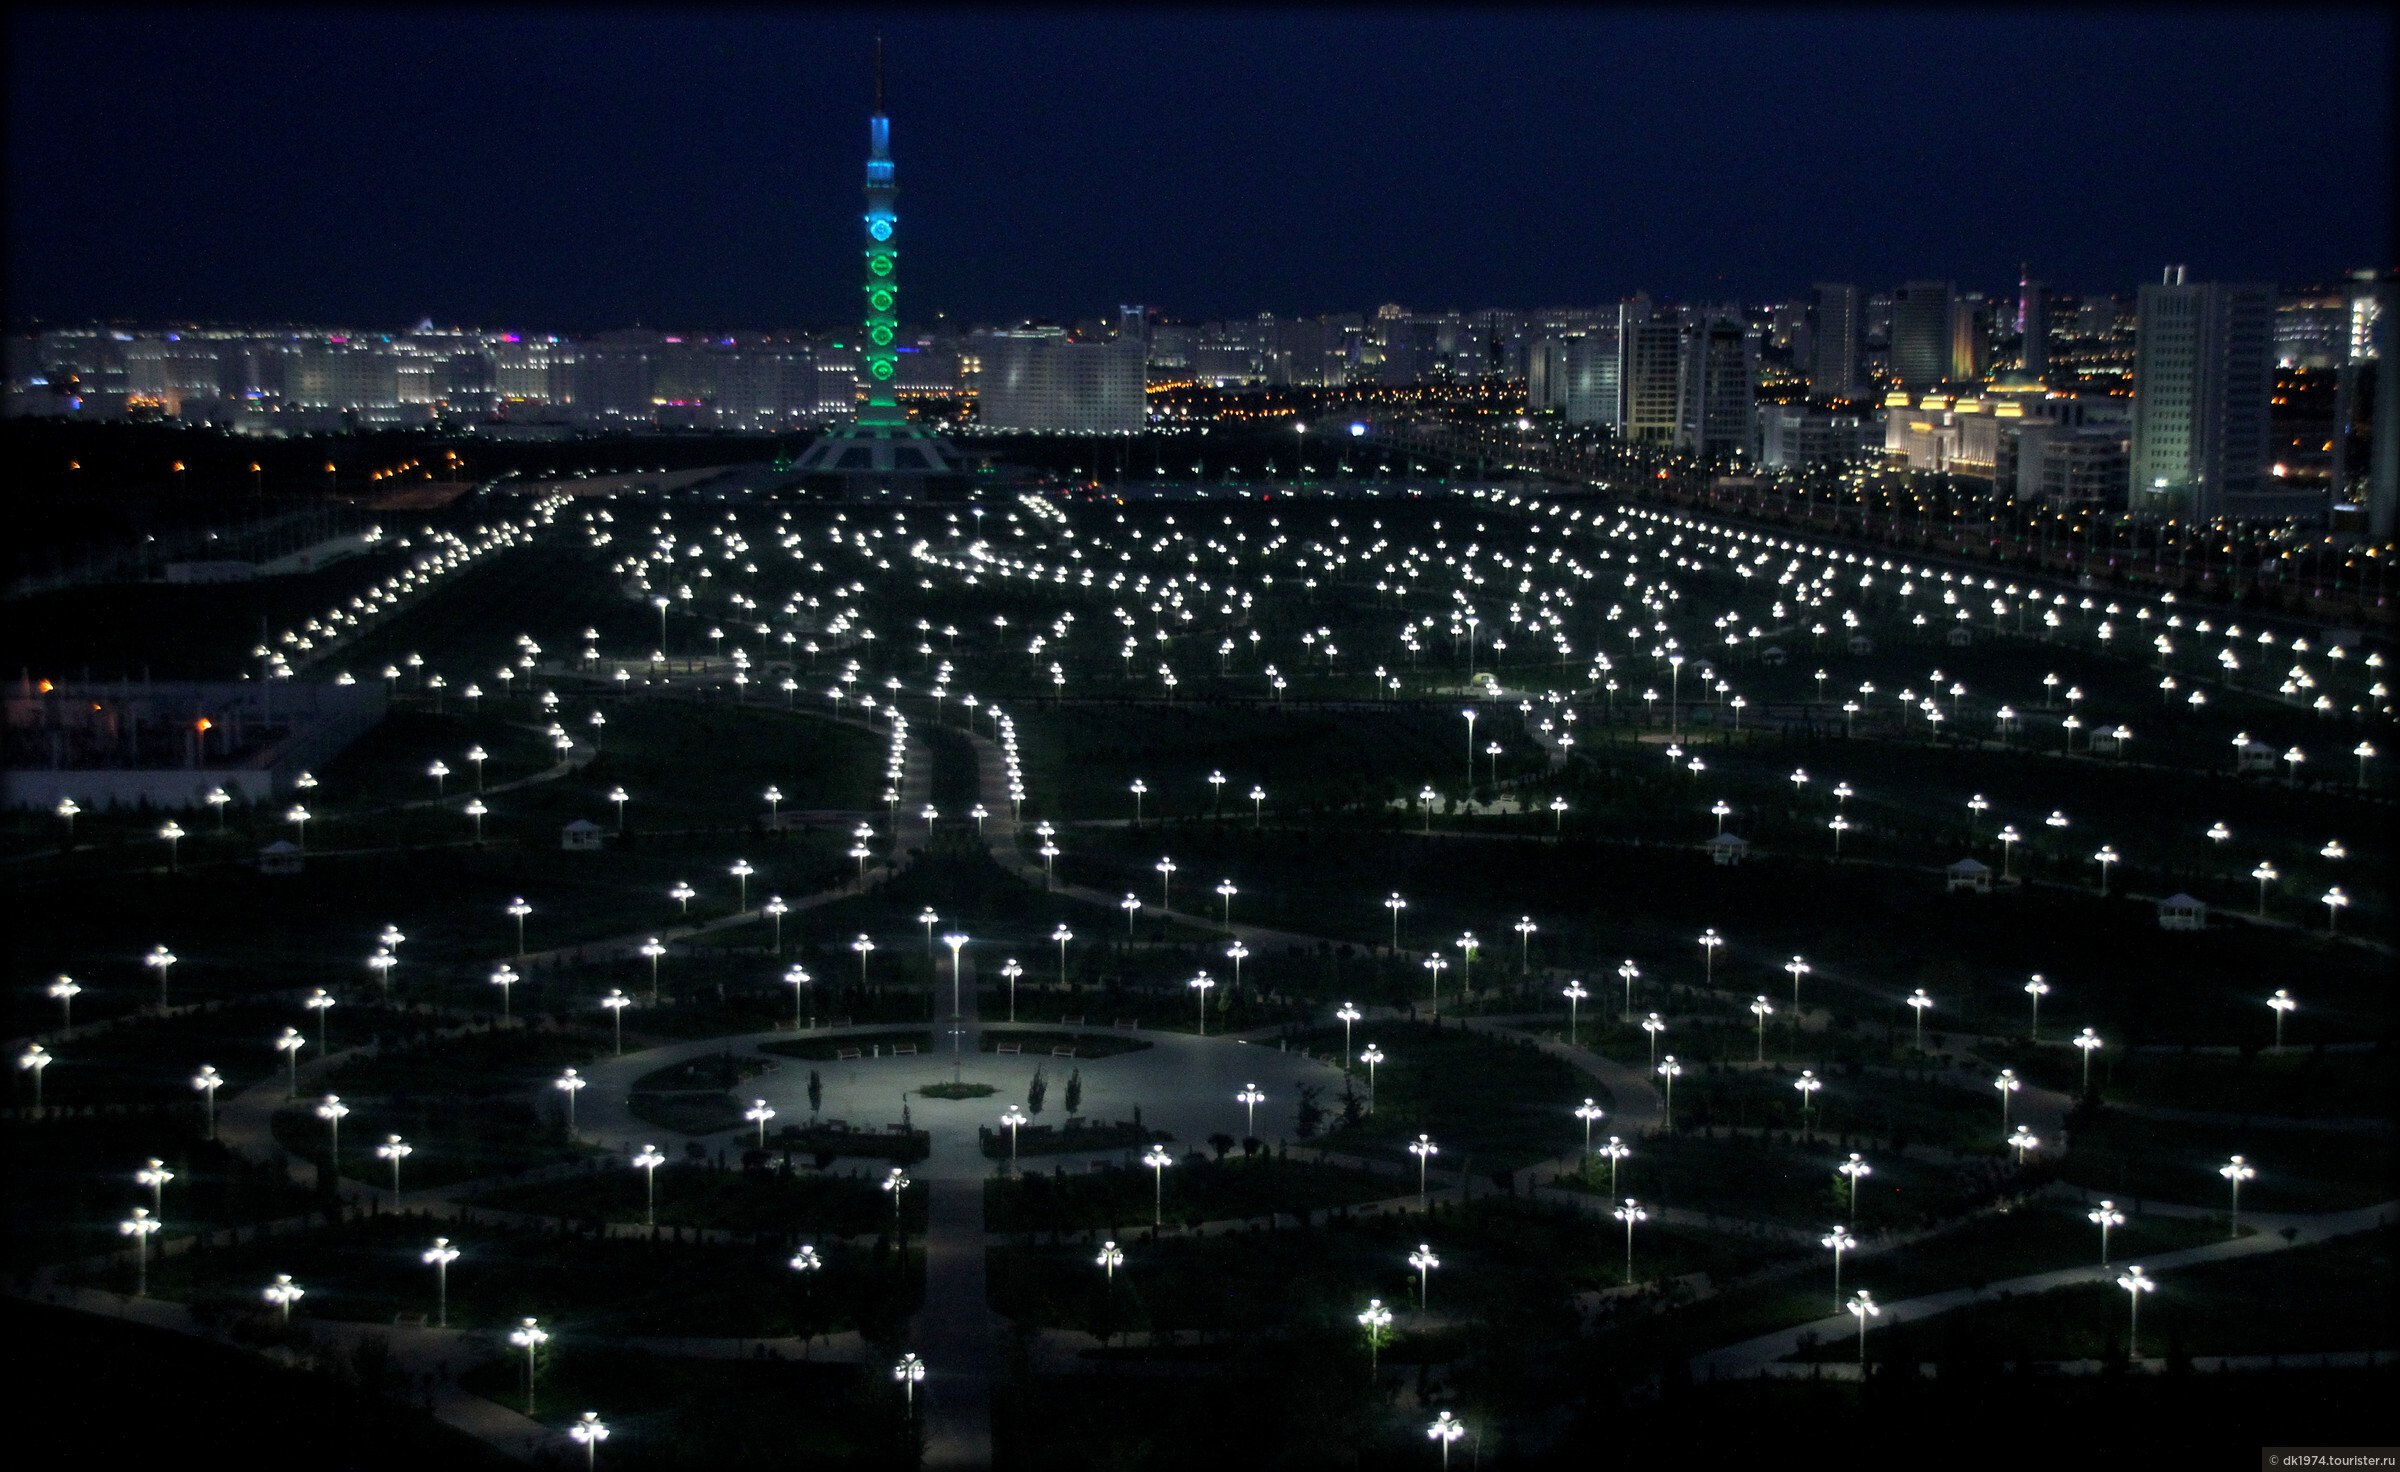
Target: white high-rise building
2203 379
1035 378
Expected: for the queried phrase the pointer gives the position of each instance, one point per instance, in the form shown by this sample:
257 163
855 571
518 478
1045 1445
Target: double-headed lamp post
1424 1262
589 1431
207 1081
2007 1083
1200 985
395 1150
1762 1009
529 1336
2089 1042
439 1257
283 1293
1424 1149
647 1160
2235 1171
1111 1258
2135 1282
2281 1002
1808 1085
139 1226
2037 989
1590 1112
910 1372
570 1083
1015 1119
1574 993
1375 1320
1855 1168
1370 1057
2021 1140
1250 1098
1798 967
2105 1216
1445 1429
616 1002
1630 1213
1158 1160
759 1112
1917 1003
155 1175
1670 1070
332 1110
1862 1306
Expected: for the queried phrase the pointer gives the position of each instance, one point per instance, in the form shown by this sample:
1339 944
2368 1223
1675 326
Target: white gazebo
1971 875
581 836
281 857
2181 912
1728 849
1959 636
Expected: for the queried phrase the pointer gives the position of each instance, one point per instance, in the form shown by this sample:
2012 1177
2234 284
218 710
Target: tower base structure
883 462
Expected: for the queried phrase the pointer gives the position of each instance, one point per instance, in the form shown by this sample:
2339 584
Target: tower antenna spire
879 73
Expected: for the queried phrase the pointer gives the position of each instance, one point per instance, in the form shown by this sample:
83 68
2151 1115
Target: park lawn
71 1182
1196 1188
369 1269
1871 936
1498 1256
2302 1082
150 1061
452 1140
463 1065
2039 1236
682 1415
693 1195
1950 1108
2325 1297
2298 1169
1080 761
1790 1181
1489 1103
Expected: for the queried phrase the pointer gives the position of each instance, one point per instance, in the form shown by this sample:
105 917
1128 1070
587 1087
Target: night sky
583 170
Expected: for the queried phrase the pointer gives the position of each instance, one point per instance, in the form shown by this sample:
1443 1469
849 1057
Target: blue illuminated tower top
881 356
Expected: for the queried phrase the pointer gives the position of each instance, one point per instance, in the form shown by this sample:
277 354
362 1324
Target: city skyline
1144 139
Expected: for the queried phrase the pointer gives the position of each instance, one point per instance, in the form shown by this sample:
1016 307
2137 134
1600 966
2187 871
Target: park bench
1129 1023
1078 1020
846 1054
1063 1050
900 1048
1008 1047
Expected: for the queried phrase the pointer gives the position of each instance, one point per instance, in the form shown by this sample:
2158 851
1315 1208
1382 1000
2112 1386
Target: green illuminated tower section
881 354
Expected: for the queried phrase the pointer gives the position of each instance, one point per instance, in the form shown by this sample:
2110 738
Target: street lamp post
1158 1160
1630 1213
647 1160
1372 1056
1590 1112
439 1257
1014 1118
2135 1282
2036 989
529 1336
139 1226
1855 1168
570 1083
395 1150
1424 1149
2089 1042
2235 1171
1574 993
1863 1307
1670 1070
2104 1216
1839 1241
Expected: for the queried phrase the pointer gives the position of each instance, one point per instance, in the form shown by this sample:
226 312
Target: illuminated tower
881 454
881 355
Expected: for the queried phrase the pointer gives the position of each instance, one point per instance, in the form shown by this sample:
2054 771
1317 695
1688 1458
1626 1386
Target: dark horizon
573 172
